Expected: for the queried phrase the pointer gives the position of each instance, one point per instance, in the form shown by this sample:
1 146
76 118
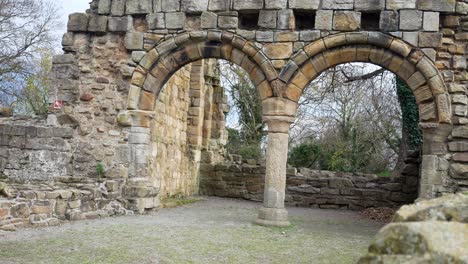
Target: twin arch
408 62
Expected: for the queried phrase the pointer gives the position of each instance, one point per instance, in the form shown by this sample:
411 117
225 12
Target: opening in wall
248 20
305 19
370 21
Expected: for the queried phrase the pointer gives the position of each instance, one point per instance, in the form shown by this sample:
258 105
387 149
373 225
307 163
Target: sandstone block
118 24
134 40
278 50
209 20
227 22
20 210
401 4
276 4
304 4
175 20
104 7
286 19
194 6
437 5
118 7
97 24
77 22
247 4
324 20
338 4
156 20
430 40
389 21
431 21
139 7
170 6
267 19
347 21
219 5
411 19
369 5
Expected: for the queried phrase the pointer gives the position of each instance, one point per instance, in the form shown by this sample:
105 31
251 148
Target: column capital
278 124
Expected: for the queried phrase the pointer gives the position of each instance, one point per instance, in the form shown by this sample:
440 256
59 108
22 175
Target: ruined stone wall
120 54
311 188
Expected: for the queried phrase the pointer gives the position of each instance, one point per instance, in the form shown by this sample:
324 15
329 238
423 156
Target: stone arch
166 58
408 62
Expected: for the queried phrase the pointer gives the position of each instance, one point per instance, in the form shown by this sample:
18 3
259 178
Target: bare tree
26 26
352 110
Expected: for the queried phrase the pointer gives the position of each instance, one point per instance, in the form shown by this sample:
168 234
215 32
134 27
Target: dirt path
210 231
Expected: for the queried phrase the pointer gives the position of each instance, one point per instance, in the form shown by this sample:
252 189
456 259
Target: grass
384 174
172 202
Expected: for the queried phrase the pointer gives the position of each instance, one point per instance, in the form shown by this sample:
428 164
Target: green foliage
239 145
35 93
246 104
305 155
410 114
100 170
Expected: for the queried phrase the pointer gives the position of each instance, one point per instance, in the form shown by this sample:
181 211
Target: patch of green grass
384 174
172 202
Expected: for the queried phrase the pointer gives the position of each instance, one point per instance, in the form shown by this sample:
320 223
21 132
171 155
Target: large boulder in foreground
432 231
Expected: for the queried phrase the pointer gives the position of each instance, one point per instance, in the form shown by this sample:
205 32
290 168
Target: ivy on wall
410 114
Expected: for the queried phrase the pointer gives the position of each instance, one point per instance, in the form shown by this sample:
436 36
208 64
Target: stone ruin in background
141 97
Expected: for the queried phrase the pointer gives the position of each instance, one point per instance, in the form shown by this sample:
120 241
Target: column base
272 217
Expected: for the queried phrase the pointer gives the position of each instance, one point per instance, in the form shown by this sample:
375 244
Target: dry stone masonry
125 121
309 188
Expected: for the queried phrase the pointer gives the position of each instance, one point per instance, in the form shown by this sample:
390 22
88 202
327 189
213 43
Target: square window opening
305 19
370 21
248 20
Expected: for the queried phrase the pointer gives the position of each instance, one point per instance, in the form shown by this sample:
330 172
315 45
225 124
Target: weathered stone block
304 4
267 19
411 19
194 6
226 22
175 20
118 24
431 21
369 5
247 4
401 4
347 21
286 19
118 7
276 4
170 6
338 4
104 7
278 50
437 5
134 40
324 20
389 21
219 5
139 7
430 40
156 20
209 20
77 22
20 210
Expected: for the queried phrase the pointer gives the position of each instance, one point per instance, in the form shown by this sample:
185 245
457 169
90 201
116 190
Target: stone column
279 115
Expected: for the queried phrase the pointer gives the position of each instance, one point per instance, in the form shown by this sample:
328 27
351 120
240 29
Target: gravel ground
213 230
